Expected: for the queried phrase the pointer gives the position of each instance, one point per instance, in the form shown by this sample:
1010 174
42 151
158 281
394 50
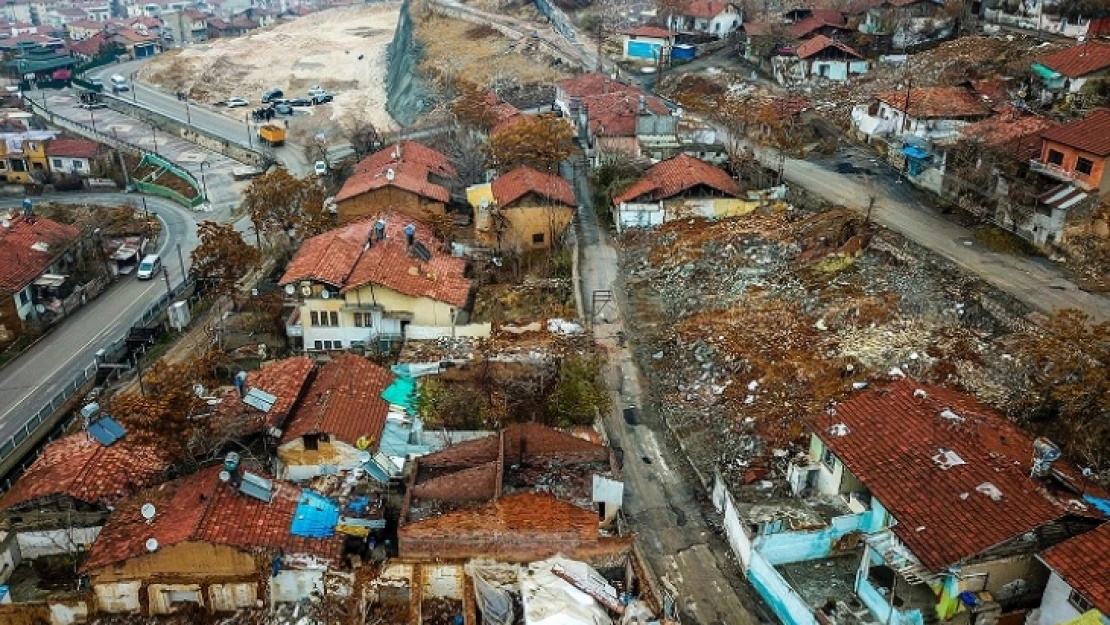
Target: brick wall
473 484
385 199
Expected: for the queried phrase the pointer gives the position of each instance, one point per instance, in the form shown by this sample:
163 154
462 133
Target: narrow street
660 497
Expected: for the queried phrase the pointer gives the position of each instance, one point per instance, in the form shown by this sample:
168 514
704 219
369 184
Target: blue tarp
913 151
1103 505
316 516
401 393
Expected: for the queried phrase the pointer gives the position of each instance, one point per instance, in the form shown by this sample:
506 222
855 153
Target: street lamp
188 117
92 119
203 182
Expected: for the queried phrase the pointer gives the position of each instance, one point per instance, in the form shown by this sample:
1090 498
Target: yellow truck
272 134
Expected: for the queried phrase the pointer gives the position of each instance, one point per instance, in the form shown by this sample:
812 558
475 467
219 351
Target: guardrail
11 446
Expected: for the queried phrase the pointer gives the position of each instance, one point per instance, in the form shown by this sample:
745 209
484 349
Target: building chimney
1045 452
606 86
231 465
379 230
410 235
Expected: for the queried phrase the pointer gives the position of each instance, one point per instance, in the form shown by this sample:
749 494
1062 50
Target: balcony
1059 173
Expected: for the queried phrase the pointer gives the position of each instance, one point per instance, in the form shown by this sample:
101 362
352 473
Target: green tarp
401 393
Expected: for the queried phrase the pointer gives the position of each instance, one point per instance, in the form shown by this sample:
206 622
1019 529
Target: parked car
315 89
283 108
321 168
236 102
322 98
271 95
299 102
149 267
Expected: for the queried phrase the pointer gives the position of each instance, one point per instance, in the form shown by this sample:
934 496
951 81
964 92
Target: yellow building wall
713 208
424 310
388 199
188 560
34 155
525 221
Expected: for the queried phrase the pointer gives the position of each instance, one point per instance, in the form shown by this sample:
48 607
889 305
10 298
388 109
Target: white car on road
321 168
236 102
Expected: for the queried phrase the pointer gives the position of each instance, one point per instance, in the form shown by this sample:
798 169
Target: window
1084 166
3 165
318 345
311 442
333 317
315 318
57 163
1079 602
363 320
1055 158
828 458
537 239
37 166
19 165
24 297
77 164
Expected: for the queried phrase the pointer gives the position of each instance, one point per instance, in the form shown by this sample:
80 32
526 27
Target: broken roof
1084 563
28 246
1085 58
284 379
953 472
520 516
614 114
704 8
1090 134
343 401
1011 131
936 102
594 83
202 508
79 467
342 258
513 185
670 177
820 43
72 148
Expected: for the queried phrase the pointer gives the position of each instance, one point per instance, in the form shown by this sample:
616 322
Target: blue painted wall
788 547
642 50
787 605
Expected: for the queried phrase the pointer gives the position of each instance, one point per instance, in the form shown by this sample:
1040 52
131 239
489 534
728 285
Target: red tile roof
1084 563
343 401
73 148
820 42
511 186
614 114
829 16
201 508
996 90
673 176
28 246
889 437
594 83
1090 134
134 36
1011 131
284 379
341 258
937 102
409 152
759 29
79 467
804 27
90 46
403 175
1085 58
657 32
704 8
520 515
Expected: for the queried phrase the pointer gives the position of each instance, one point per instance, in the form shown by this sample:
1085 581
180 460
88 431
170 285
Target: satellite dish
290 289
148 511
225 476
306 290
40 308
152 544
390 174
326 294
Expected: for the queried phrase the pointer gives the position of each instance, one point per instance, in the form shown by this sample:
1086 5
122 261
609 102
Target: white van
119 83
149 267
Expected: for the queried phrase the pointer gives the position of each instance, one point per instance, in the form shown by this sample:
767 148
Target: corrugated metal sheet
315 516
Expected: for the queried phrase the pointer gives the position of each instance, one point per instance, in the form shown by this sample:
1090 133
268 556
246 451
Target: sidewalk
660 496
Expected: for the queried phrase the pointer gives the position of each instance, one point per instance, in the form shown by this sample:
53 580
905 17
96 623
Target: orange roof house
522 209
1083 563
406 177
936 103
681 174
1078 151
1072 67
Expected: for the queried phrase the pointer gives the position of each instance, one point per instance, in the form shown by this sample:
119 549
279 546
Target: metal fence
11 446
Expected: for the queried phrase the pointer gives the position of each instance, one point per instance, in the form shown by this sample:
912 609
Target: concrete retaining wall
203 138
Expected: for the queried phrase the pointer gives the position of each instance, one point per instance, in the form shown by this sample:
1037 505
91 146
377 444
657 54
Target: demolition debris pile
749 325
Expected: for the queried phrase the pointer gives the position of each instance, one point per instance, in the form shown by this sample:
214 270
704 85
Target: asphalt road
200 116
31 381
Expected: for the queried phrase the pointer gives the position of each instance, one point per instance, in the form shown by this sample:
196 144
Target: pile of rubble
748 326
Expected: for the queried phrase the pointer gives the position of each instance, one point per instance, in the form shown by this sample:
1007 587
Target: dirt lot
342 50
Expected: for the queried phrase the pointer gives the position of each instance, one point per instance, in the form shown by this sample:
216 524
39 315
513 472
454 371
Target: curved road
31 381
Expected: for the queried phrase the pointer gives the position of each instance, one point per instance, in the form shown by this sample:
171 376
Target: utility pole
181 260
600 39
139 368
166 278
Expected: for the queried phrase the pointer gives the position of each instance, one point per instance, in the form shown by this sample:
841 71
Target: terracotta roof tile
704 8
343 401
996 90
889 437
804 27
657 32
821 42
409 152
409 176
20 261
673 176
79 467
520 515
341 258
511 186
73 148
1085 58
201 508
937 102
594 83
1090 134
284 379
614 114
1011 131
1084 563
